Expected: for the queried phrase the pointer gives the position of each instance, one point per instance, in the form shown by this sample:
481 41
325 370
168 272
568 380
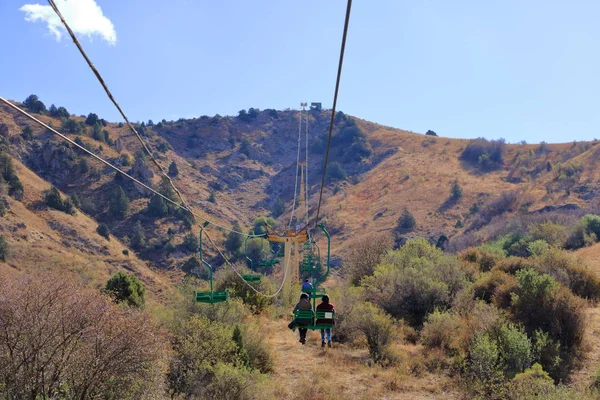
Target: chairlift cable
335 96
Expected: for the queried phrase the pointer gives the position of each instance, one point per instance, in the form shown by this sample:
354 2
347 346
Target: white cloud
83 16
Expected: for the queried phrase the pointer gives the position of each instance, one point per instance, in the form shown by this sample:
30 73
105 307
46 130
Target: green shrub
238 288
484 371
539 303
441 330
34 104
346 300
233 243
103 231
553 234
456 192
53 199
537 247
378 329
414 280
2 208
584 233
199 345
533 383
569 271
126 288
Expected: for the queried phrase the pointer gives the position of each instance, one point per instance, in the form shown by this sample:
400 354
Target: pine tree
173 170
2 209
138 239
119 203
157 207
456 192
406 222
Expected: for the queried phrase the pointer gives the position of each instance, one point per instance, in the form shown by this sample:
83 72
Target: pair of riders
305 305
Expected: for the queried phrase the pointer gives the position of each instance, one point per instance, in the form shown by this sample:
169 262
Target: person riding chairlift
303 305
307 287
325 305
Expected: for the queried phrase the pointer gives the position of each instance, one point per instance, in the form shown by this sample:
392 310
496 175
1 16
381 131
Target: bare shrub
58 340
365 255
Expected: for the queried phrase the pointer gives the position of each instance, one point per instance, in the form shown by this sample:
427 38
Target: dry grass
49 240
345 372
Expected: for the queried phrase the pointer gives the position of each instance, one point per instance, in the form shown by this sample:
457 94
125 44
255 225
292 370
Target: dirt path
342 372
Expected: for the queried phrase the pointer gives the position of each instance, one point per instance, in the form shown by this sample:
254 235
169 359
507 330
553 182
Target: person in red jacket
325 305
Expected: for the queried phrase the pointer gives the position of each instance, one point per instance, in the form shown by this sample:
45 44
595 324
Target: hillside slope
235 169
42 239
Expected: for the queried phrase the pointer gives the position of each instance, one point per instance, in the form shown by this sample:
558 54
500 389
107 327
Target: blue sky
520 70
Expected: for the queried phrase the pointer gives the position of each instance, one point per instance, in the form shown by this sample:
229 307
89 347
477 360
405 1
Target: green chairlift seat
251 277
319 315
211 296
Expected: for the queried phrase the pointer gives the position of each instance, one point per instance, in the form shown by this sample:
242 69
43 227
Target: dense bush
126 288
569 271
378 329
485 154
71 126
441 330
585 232
103 231
238 288
415 280
53 199
233 243
92 119
191 242
34 104
539 303
486 287
485 258
173 170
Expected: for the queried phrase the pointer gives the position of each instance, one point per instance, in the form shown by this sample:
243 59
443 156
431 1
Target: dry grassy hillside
245 165
42 239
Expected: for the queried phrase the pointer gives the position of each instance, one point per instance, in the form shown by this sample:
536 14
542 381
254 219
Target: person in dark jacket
303 305
325 305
